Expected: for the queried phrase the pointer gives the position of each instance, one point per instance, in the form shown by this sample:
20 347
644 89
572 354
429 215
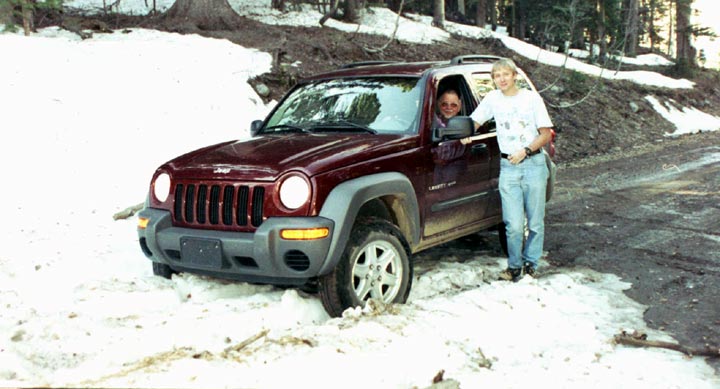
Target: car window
483 84
377 104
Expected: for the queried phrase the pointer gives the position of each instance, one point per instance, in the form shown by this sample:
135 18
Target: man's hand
517 157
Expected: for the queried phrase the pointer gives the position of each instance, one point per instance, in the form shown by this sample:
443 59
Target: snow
86 124
687 120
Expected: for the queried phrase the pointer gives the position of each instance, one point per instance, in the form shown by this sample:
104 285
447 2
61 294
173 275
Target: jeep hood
266 157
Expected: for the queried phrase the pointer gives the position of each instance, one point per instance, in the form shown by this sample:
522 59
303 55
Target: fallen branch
329 13
639 339
392 38
244 343
129 211
164 357
168 357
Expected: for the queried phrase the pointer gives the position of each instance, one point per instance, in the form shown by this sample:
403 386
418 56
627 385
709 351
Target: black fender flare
344 201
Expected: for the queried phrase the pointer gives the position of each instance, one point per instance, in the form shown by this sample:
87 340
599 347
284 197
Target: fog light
143 222
305 234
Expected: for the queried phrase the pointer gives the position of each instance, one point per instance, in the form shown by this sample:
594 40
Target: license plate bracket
205 253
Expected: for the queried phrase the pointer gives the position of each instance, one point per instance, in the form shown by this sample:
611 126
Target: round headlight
294 192
161 187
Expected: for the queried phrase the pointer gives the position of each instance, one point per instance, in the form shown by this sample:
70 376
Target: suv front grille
219 204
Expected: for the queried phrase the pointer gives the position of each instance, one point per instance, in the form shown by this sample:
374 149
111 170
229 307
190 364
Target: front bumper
261 256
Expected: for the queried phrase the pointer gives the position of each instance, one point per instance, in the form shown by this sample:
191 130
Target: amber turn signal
305 234
143 222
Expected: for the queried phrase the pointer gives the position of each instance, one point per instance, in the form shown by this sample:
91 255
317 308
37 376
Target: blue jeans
522 190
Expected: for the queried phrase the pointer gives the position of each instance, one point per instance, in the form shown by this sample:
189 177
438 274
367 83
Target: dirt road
652 217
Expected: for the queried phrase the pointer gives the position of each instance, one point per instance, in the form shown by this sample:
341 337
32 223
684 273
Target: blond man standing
523 128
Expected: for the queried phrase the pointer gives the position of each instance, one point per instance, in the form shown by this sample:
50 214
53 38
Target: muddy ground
651 216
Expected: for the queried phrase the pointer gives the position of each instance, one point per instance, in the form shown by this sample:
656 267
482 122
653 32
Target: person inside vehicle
449 105
523 128
448 155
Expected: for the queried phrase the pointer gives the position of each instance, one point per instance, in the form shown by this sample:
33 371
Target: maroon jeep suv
346 178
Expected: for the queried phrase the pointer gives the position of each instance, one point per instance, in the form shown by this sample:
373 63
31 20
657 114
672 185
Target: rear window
483 83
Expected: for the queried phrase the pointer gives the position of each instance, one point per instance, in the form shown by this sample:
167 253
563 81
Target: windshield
374 105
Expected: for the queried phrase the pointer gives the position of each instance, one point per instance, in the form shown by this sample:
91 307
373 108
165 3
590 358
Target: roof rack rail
364 63
474 58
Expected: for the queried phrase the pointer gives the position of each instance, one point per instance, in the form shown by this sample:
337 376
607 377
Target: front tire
162 270
375 264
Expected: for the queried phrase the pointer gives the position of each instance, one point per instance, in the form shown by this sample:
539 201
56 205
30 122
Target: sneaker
510 274
529 269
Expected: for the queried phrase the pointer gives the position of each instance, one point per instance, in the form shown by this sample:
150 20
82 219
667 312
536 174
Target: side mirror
255 126
458 127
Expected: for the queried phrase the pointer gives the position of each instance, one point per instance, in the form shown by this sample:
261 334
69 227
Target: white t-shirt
517 117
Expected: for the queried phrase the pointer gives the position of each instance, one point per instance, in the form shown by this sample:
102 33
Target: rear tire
375 264
162 270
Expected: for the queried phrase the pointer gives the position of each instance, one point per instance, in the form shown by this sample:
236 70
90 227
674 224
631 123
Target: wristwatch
528 152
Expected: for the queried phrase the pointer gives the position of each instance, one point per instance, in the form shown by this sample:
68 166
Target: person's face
504 79
449 105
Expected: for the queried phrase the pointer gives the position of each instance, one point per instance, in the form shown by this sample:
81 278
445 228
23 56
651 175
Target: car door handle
479 148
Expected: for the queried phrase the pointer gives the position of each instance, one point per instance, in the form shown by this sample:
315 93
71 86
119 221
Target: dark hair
448 90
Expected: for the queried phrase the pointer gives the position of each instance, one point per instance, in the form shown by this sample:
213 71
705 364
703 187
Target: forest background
610 27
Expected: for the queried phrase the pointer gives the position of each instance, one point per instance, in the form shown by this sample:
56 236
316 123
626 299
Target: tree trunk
683 32
350 11
204 14
278 5
601 28
631 44
439 13
651 25
493 14
520 18
481 13
671 31
394 5
26 10
461 7
331 12
5 13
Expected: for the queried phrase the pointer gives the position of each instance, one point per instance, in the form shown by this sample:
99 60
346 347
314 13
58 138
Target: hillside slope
601 119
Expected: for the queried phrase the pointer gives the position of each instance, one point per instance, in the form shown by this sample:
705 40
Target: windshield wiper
344 124
286 127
